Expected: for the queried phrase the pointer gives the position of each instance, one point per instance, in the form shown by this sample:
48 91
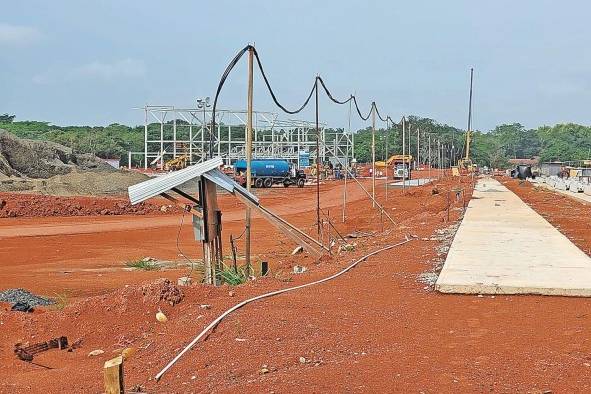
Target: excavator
178 163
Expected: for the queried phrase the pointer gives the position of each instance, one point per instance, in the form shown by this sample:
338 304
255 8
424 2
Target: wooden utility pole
429 157
403 154
418 147
249 152
317 163
347 167
386 158
373 154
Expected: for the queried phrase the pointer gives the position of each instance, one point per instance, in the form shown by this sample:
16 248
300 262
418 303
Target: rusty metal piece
26 353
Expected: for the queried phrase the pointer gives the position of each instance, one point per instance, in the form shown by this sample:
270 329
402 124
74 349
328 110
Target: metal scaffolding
171 132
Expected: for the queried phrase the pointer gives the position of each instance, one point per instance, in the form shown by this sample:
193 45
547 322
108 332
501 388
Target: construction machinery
465 163
178 163
266 173
400 165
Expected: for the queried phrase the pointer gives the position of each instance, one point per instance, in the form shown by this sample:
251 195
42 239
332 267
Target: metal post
317 163
162 142
373 153
146 139
174 136
248 152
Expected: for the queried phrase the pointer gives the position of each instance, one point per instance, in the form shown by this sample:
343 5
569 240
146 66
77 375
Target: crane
466 162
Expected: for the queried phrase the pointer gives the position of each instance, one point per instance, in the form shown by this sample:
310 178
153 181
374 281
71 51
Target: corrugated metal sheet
227 183
153 187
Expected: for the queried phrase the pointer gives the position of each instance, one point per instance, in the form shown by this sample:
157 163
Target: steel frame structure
170 132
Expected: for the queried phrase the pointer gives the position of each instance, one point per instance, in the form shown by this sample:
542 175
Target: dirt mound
42 159
34 205
49 168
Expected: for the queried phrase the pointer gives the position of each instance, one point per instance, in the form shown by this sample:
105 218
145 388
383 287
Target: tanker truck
268 172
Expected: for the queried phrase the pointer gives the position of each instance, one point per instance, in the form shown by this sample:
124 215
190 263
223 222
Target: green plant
143 264
231 277
61 300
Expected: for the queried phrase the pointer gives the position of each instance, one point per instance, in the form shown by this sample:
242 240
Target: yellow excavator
178 163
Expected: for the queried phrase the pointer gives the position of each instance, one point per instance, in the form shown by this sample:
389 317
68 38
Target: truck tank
264 168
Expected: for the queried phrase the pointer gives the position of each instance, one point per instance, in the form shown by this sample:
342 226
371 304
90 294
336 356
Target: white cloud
18 35
120 69
126 68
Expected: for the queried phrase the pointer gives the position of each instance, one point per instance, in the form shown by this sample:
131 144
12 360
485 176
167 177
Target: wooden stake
113 372
249 154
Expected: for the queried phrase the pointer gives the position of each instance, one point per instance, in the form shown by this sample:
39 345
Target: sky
79 62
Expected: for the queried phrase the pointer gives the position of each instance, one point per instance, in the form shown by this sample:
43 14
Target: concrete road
504 247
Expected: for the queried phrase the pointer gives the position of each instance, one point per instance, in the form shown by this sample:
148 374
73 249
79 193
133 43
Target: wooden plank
292 232
113 371
187 196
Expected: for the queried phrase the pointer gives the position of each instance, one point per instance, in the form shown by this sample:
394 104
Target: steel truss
170 132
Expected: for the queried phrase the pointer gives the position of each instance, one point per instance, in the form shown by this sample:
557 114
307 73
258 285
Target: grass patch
61 300
143 264
231 277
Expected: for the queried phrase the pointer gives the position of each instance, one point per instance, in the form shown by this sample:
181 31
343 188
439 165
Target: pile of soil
49 168
42 159
34 205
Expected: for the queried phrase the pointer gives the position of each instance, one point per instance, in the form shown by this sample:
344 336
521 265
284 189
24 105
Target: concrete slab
411 182
583 197
504 247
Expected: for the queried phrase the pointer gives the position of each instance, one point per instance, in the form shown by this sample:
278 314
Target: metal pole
146 139
249 152
373 154
317 163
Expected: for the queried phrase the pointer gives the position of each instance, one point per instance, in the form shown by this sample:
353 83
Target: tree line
562 142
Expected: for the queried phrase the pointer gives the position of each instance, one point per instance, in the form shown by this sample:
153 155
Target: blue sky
77 62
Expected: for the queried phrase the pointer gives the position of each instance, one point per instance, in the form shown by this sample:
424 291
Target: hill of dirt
49 168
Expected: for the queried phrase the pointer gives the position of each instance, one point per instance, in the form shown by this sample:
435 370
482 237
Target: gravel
21 295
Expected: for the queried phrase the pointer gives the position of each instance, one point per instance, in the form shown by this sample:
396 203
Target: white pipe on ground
273 293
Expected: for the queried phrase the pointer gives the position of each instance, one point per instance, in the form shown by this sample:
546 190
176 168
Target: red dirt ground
374 329
567 214
36 205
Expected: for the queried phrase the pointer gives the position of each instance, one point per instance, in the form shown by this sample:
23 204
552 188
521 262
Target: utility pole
386 158
429 157
317 163
373 154
469 131
439 159
403 154
418 147
347 167
249 152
